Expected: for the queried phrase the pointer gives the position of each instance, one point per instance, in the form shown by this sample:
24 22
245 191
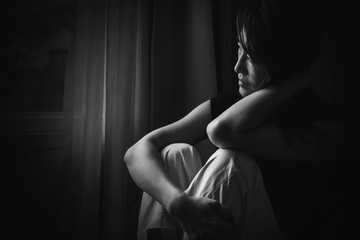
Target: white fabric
232 178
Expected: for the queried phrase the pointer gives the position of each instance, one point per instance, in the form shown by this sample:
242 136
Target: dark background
34 45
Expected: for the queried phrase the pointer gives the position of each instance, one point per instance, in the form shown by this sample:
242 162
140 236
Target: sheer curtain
136 65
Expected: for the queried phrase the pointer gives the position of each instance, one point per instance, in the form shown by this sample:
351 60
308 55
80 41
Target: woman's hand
203 218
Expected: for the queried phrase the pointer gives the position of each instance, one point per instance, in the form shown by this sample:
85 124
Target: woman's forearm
253 110
147 170
145 162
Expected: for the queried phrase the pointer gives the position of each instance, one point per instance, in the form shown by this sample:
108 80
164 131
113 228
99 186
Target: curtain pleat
127 107
85 89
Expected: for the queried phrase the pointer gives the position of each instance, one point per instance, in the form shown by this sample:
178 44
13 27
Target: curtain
84 115
136 65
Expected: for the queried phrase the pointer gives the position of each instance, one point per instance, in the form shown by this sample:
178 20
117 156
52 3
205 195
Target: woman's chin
244 92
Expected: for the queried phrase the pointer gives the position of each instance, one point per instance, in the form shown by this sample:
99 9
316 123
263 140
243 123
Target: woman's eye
241 50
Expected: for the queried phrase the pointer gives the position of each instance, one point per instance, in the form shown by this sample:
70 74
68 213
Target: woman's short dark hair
285 35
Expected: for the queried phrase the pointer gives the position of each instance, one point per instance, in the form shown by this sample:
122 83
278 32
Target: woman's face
252 75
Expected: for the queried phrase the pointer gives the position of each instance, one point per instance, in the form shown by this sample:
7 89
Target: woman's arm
243 126
144 161
254 109
267 141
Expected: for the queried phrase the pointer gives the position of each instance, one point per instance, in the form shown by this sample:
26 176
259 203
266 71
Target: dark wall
35 38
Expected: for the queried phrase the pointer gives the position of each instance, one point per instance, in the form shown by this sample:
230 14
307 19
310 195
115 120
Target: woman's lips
242 82
241 78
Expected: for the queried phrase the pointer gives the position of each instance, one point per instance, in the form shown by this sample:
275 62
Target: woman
269 118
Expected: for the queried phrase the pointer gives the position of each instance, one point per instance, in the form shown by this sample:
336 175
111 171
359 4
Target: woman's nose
240 64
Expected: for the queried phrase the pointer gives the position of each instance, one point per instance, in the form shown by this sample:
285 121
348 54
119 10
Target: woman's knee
182 161
175 148
179 151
